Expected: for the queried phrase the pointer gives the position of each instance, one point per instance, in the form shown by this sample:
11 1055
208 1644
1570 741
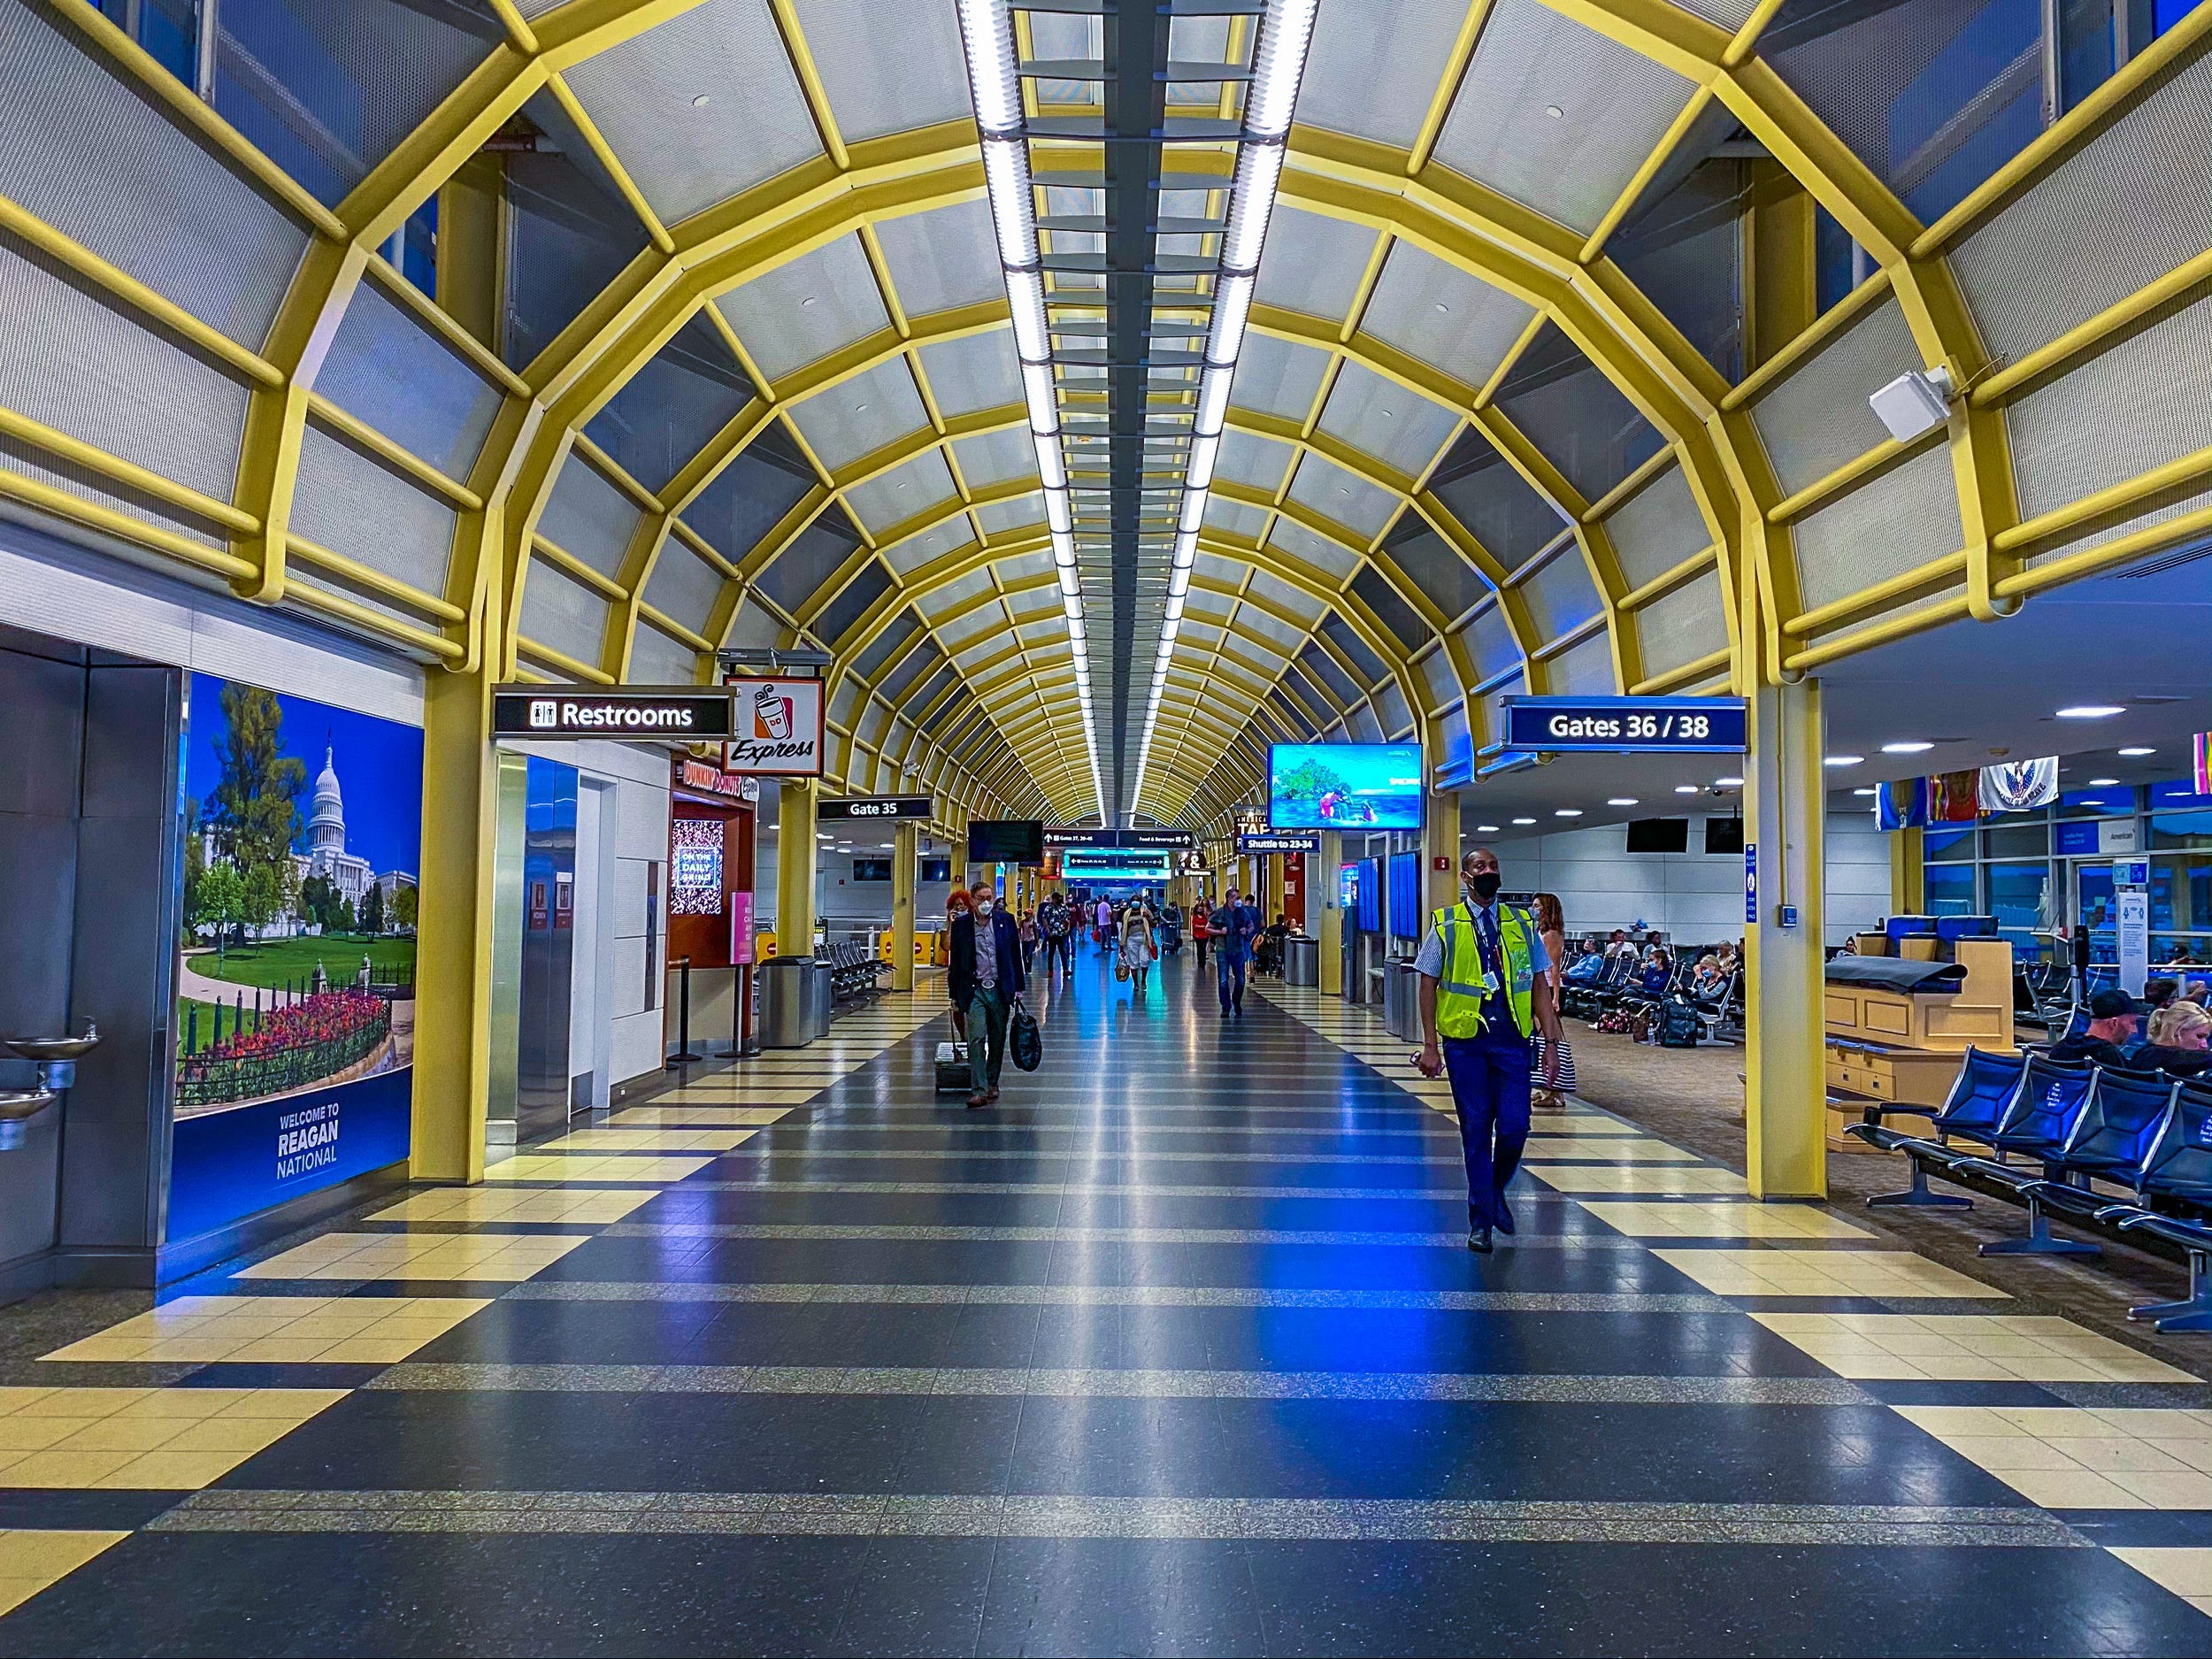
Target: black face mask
1486 885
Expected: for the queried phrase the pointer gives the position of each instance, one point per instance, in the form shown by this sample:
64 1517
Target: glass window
2012 838
2181 894
2020 898
2181 793
1835 261
1946 843
2112 802
170 32
1950 890
2092 889
2181 829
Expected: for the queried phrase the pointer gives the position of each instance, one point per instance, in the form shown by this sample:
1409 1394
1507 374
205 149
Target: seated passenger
1657 971
1706 977
2112 1017
2158 993
2181 1042
1618 945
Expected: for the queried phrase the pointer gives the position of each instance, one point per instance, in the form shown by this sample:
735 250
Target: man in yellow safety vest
1484 988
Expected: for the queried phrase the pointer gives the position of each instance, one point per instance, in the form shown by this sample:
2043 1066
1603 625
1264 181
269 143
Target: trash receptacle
1401 1012
1301 960
786 995
824 996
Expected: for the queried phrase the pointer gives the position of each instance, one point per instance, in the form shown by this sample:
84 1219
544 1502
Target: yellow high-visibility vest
1466 985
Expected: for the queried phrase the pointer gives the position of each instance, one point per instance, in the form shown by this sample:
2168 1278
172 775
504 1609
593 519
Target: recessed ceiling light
1843 760
1686 788
701 102
1623 800
1728 783
1862 792
2102 783
2137 753
860 409
808 301
1555 111
2091 711
1568 811
1909 746
1441 306
1525 820
1485 829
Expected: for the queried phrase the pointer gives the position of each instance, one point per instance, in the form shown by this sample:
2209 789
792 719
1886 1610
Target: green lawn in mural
278 962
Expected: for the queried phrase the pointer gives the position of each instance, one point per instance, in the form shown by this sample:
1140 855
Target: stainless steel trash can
825 996
787 1010
1301 960
1402 1013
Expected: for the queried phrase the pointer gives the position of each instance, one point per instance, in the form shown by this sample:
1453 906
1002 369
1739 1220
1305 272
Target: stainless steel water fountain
57 1058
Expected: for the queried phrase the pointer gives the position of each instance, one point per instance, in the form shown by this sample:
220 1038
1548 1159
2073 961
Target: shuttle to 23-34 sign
775 727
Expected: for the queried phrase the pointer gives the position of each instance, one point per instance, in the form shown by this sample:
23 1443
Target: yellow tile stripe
154 1439
300 1330
31 1562
498 1258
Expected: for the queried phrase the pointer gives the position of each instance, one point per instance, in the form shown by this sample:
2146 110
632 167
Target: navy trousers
1490 1092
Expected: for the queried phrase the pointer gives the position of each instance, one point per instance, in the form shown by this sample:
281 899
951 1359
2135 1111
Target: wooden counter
1903 1049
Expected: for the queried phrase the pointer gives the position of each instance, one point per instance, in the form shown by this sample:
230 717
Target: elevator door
549 936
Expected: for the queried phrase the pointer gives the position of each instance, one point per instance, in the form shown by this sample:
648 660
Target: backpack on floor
1680 1026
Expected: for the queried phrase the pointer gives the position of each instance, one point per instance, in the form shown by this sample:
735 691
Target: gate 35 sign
775 727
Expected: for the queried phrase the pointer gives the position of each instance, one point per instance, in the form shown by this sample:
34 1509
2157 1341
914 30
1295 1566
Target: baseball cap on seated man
2112 1004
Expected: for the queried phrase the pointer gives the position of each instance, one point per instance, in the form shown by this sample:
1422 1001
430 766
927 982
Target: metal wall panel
1817 418
1901 521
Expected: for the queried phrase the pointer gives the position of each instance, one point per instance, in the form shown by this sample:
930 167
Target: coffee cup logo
772 714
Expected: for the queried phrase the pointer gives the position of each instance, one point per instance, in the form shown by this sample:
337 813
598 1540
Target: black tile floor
1177 1349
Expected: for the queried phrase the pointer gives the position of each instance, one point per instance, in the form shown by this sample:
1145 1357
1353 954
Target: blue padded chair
2037 1122
2112 1140
2177 1173
1976 1105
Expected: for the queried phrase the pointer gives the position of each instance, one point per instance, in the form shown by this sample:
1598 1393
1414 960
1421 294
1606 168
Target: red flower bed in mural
291 1048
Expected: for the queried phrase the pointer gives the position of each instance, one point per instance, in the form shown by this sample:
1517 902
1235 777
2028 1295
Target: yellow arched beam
1927 293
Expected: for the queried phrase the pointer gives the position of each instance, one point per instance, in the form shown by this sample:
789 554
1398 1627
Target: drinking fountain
57 1058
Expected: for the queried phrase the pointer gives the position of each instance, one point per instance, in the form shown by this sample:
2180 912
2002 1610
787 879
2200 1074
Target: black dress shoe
1505 1219
1478 1242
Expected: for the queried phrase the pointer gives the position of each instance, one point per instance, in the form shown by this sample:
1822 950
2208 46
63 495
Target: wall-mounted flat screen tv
1349 786
1658 834
1006 841
1723 835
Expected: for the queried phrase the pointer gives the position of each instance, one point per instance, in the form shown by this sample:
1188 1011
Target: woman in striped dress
1552 925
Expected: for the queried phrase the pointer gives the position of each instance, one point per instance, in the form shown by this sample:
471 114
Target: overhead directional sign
1279 841
681 712
1073 835
875 807
1568 725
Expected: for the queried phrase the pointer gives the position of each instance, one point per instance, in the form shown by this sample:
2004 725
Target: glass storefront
2035 870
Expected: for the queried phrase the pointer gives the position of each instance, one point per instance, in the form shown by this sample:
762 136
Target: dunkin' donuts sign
775 727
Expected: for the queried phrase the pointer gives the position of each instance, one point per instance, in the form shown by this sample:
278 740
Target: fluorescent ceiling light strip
1278 62
987 39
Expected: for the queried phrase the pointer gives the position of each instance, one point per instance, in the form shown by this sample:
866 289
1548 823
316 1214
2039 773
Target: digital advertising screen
1349 786
296 974
1115 864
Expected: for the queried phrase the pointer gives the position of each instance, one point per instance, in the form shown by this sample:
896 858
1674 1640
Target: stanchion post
683 1055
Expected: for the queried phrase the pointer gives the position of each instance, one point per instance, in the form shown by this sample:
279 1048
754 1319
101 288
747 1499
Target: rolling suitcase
953 1077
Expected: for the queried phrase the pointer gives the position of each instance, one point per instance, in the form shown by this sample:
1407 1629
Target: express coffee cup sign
775 727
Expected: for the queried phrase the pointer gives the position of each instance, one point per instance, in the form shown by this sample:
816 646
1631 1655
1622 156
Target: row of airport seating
2126 1153
1617 985
856 973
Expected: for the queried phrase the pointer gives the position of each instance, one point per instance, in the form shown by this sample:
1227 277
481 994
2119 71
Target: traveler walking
1029 941
983 975
1054 923
1103 925
1140 946
1234 925
1200 929
1551 928
1485 991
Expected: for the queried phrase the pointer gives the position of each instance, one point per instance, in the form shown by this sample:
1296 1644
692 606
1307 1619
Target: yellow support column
1332 928
904 843
1907 873
1440 839
453 949
1785 1113
794 866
